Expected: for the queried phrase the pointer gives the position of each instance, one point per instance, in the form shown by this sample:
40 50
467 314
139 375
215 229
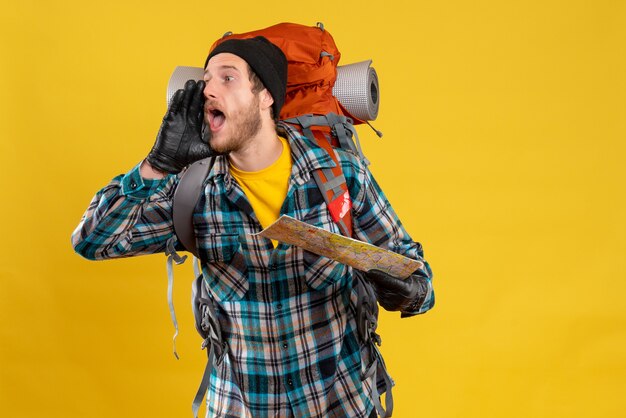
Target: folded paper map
354 253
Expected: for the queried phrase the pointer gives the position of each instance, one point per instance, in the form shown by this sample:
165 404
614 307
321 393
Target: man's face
231 109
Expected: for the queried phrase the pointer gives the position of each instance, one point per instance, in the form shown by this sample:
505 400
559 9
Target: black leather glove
395 294
179 141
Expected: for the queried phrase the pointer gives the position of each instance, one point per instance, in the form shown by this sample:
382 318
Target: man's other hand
395 294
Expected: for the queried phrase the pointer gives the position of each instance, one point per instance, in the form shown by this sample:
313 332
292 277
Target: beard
244 124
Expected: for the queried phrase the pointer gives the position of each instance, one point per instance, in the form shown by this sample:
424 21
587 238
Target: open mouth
216 119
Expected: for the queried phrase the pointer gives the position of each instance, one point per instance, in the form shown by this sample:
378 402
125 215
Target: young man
287 315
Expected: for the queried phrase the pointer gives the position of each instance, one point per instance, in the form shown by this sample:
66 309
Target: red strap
339 204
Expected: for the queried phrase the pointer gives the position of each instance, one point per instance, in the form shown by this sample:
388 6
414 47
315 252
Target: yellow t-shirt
266 189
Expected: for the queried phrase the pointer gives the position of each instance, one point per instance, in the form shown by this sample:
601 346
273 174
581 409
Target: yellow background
503 153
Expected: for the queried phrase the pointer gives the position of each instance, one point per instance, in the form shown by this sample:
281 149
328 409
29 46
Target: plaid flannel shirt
286 313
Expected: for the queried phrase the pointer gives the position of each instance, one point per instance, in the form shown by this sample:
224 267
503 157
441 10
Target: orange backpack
310 105
312 57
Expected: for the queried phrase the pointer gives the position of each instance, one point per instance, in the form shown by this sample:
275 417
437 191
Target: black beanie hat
266 60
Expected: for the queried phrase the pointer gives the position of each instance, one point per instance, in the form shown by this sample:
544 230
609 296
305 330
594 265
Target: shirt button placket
285 345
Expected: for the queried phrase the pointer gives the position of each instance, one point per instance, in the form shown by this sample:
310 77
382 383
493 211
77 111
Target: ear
265 99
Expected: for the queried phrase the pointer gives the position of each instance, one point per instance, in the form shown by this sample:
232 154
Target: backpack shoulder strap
330 181
332 184
185 199
184 202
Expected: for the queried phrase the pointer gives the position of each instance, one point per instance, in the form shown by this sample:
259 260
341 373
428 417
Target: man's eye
228 78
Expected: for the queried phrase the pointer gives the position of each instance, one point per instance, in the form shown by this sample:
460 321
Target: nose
209 90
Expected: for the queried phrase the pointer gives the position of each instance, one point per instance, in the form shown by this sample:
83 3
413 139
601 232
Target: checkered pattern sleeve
376 222
130 216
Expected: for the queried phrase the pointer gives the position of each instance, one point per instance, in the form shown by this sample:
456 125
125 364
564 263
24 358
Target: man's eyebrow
221 67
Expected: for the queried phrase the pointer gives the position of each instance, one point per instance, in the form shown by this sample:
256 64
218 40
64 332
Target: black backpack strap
185 199
208 326
375 368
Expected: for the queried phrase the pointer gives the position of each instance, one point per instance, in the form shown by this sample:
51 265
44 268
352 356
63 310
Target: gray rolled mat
179 78
356 87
